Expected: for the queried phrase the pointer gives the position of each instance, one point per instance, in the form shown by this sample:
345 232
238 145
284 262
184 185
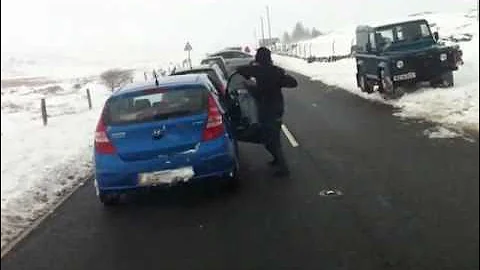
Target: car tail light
214 127
103 145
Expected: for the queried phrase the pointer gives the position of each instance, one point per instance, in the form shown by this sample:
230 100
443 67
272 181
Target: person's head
263 56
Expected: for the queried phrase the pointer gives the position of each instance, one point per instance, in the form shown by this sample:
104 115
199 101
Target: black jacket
270 80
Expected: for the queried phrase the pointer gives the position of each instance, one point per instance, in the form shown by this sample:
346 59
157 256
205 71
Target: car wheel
109 199
447 79
444 80
365 86
387 88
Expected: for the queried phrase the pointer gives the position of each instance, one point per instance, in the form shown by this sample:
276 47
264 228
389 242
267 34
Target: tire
365 86
387 88
445 80
109 199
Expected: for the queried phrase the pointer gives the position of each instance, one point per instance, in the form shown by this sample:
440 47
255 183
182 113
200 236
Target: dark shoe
281 173
273 162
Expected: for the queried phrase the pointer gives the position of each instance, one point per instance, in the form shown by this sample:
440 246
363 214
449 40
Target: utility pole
263 33
269 27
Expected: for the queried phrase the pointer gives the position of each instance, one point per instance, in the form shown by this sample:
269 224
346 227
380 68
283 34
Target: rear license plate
166 177
406 76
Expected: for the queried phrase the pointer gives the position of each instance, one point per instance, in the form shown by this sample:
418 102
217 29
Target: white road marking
289 135
8 247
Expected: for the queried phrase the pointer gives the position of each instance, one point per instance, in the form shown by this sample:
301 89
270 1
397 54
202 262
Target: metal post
43 107
89 98
269 27
263 33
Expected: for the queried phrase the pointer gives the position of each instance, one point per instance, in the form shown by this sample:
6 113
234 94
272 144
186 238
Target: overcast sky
131 29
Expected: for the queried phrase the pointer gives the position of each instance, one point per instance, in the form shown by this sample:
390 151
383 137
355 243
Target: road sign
188 47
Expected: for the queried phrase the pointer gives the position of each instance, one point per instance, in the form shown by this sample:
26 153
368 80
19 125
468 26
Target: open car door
242 109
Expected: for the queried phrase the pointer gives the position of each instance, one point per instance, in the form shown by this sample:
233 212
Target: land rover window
399 30
373 46
424 29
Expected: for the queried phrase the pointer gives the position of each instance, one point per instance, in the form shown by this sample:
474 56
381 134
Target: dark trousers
271 138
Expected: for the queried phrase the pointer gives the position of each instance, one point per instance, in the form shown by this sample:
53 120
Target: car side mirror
435 36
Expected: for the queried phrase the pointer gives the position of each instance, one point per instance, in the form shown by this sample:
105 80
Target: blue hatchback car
176 129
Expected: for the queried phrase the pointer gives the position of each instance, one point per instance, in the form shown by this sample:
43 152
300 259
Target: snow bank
39 164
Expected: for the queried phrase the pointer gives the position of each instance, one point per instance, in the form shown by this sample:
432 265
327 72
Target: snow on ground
455 107
440 133
40 163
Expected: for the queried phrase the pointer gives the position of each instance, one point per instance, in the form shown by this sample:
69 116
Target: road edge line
22 235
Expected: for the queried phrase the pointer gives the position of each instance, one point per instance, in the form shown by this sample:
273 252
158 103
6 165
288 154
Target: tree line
300 32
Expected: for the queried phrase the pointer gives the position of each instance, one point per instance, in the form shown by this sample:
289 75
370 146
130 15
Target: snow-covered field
41 163
454 108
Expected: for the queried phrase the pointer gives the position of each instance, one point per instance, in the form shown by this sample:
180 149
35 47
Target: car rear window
155 105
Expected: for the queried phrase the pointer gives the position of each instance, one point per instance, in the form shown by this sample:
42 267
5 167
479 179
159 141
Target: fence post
43 107
333 49
89 98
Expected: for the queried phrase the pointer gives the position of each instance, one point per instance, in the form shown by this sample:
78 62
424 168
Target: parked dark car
213 72
234 58
220 62
396 55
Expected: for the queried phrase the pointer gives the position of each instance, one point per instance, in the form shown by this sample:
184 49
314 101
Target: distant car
214 74
235 59
401 54
163 133
220 62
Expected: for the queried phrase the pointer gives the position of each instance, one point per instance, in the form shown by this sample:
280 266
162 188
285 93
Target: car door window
228 55
239 55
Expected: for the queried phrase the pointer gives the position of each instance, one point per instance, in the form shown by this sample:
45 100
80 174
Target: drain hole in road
330 193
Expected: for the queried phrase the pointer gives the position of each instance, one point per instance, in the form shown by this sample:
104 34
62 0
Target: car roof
224 51
164 82
390 22
194 68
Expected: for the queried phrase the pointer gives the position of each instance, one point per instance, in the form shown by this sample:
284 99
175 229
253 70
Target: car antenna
156 79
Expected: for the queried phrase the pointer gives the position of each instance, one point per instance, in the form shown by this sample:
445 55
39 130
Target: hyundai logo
158 133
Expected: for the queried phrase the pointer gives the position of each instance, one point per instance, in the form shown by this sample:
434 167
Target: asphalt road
408 202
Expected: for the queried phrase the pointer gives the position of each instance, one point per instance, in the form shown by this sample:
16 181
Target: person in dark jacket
270 79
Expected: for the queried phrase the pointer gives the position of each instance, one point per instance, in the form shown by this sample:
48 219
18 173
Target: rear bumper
214 158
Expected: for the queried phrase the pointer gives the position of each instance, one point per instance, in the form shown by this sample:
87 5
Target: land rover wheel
365 85
447 79
387 88
444 80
